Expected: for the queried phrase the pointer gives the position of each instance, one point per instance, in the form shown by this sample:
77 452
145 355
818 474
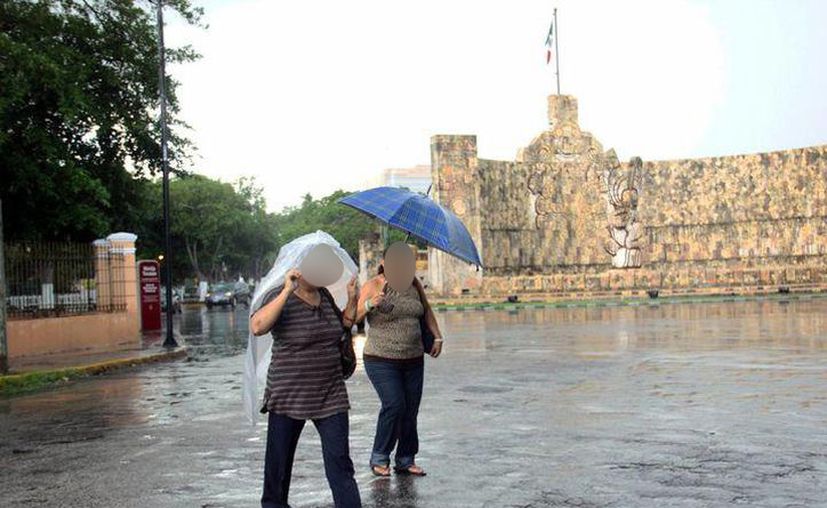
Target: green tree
221 230
78 102
257 239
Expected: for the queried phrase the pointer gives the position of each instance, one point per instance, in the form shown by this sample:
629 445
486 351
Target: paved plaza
709 404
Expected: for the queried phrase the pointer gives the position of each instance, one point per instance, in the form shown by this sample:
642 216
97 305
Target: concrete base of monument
636 296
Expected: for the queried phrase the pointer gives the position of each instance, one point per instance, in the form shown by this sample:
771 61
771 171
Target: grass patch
18 384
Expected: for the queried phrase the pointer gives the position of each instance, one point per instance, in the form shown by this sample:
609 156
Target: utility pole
169 340
557 49
4 346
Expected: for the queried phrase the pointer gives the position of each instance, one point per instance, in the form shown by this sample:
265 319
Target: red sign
149 277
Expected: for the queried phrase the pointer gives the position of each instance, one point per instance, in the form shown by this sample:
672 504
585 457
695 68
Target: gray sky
317 95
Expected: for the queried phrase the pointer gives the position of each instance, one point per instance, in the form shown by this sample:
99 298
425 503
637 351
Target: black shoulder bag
346 344
428 336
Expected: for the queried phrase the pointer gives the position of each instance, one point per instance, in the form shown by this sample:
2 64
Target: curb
16 384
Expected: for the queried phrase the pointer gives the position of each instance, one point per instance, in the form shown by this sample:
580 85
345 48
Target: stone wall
567 217
758 206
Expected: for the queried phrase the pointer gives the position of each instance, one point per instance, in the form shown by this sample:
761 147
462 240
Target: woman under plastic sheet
296 322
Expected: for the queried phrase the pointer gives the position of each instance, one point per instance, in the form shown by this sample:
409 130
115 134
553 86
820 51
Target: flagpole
557 50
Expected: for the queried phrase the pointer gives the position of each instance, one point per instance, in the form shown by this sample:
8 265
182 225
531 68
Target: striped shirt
305 380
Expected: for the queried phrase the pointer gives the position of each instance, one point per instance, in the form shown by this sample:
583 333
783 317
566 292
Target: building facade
416 178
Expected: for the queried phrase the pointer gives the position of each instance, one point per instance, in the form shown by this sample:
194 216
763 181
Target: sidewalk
33 373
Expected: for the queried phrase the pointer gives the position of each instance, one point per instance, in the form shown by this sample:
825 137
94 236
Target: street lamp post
169 340
4 345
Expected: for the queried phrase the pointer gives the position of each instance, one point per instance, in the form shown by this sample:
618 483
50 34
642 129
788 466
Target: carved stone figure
621 190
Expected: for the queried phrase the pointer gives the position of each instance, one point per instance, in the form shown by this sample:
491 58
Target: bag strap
425 305
420 292
326 293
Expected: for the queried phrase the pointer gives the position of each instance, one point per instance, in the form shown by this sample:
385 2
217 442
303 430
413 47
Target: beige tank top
394 331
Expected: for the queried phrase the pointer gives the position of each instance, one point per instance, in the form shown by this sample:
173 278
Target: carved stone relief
622 189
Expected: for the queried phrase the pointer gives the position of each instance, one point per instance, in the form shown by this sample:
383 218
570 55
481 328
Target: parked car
243 294
221 294
177 301
191 295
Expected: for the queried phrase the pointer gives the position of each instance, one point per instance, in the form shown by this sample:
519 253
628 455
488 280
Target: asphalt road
689 405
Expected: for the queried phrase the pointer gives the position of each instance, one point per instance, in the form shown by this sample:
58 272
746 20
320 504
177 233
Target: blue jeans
282 437
399 387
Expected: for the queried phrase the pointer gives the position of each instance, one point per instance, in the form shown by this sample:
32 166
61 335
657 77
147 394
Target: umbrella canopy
420 217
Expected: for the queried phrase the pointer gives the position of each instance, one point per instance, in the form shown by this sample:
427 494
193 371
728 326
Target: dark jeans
399 386
282 437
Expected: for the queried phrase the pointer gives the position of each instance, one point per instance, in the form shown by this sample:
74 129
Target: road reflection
398 492
773 324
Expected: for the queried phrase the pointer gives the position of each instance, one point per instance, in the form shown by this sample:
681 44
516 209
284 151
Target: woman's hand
370 296
291 281
436 350
377 299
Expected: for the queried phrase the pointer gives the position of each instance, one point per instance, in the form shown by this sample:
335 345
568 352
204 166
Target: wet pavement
686 405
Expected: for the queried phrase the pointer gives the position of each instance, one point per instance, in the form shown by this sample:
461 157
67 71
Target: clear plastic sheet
259 349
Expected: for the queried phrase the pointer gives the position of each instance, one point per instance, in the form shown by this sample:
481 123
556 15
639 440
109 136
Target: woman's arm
372 292
263 320
349 313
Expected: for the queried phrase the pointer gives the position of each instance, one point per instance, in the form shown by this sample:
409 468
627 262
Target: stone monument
566 217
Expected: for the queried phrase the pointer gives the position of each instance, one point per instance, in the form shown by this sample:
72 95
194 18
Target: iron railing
56 279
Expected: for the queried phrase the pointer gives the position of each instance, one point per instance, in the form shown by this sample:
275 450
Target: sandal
412 470
378 471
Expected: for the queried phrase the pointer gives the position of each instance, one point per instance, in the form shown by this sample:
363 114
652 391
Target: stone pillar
370 253
562 109
103 291
454 170
124 271
4 345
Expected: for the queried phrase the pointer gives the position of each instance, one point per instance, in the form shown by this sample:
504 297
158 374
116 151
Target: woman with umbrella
396 308
402 325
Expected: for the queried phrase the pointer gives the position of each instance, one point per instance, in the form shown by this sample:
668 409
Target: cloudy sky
317 95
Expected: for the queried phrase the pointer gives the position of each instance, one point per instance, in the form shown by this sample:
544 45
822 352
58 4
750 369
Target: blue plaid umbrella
418 216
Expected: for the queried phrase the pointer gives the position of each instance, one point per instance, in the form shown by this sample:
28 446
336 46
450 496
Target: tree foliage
219 231
78 113
80 154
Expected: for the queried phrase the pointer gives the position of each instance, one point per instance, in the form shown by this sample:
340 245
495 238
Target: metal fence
57 279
